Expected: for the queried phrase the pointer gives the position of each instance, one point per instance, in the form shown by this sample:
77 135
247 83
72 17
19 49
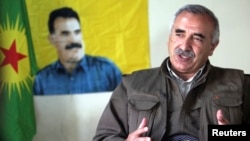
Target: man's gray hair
199 9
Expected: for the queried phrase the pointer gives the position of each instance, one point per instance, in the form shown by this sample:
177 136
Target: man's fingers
142 127
140 131
143 123
220 118
136 135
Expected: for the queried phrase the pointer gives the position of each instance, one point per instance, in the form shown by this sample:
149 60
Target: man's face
191 33
67 39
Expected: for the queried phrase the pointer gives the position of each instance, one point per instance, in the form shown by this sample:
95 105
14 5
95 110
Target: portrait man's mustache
73 45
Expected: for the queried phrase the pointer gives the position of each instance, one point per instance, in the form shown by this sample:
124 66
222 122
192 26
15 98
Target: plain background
74 117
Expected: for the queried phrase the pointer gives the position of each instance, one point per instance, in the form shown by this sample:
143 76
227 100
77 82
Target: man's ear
214 45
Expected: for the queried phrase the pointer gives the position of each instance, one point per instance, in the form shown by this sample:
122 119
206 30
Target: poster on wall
112 34
84 46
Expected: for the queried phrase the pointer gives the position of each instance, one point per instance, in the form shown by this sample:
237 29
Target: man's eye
77 31
65 33
179 34
198 39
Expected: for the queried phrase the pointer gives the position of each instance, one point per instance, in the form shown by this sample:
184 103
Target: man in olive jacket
178 100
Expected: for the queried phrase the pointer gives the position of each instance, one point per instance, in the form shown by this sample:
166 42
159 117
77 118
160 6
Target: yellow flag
116 29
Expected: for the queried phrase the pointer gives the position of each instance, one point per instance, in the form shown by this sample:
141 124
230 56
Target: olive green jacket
144 94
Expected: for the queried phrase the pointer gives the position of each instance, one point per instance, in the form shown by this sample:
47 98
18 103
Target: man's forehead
66 23
193 19
190 21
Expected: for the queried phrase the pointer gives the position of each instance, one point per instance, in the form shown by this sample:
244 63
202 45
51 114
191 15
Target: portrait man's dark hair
65 12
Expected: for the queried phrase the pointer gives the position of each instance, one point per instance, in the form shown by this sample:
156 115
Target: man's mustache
73 45
187 53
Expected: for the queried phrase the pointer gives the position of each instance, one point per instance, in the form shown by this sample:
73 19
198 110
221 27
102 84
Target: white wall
74 117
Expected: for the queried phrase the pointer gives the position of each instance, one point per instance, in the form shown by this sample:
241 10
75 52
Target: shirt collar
83 64
173 74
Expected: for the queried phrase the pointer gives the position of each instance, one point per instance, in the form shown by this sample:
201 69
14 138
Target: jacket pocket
230 104
141 106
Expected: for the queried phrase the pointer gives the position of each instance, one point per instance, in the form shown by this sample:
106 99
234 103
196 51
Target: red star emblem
11 56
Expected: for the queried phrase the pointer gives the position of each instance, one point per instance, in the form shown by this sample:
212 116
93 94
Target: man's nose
74 37
186 44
